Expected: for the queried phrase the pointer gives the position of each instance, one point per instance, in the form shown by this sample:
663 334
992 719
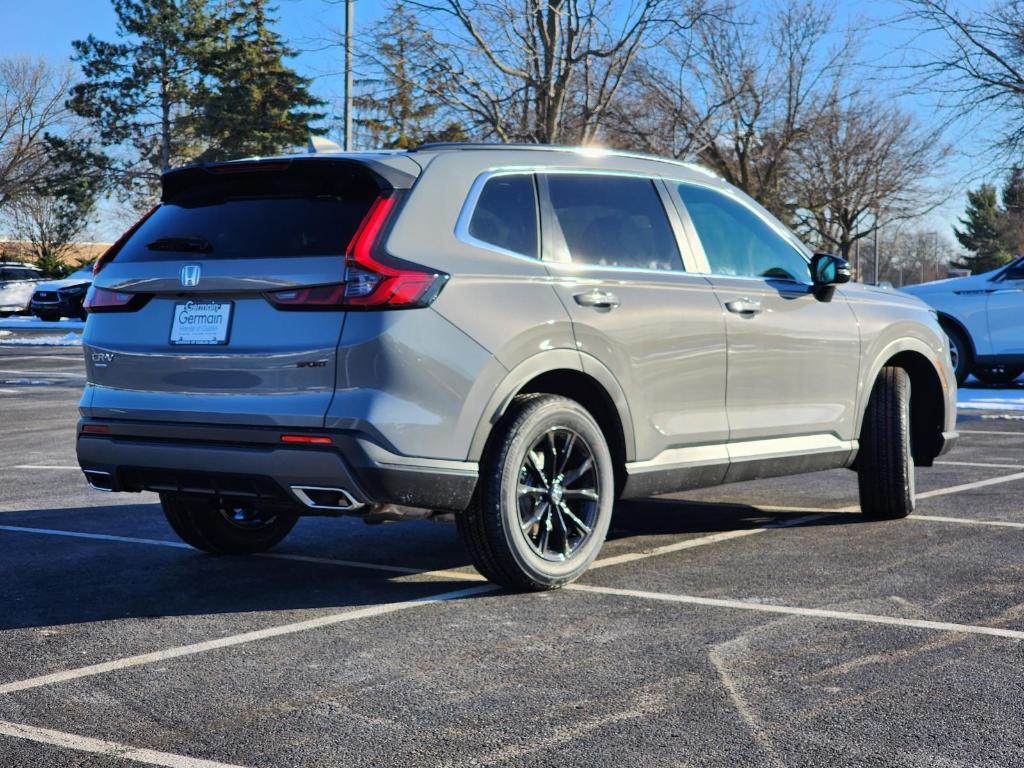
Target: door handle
746 307
597 299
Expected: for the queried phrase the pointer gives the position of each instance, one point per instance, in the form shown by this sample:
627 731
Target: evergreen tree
399 108
140 94
258 105
1013 202
983 232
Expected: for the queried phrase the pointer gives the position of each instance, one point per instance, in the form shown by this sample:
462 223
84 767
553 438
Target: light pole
350 13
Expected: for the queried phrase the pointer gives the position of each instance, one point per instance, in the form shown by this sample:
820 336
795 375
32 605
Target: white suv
983 315
17 281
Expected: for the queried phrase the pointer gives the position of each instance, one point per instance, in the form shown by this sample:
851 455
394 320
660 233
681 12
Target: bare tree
32 95
739 91
978 74
51 227
543 71
866 164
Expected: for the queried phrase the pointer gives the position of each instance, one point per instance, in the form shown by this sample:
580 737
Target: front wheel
223 528
544 501
959 352
885 464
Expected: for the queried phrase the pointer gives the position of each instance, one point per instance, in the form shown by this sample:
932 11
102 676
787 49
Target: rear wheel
225 529
885 465
998 375
544 501
959 351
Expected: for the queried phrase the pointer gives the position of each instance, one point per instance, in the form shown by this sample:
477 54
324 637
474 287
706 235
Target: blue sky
47 27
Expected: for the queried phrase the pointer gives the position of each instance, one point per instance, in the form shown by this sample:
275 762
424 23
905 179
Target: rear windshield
298 211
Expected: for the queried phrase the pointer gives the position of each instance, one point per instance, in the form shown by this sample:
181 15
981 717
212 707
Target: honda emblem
190 275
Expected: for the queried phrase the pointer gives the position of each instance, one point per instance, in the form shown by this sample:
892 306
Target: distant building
20 250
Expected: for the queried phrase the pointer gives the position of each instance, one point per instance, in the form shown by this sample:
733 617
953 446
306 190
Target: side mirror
827 271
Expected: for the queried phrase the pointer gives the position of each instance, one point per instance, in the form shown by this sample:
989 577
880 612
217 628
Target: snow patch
1006 399
71 339
34 324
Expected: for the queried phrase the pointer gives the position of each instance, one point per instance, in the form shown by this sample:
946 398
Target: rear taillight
109 254
104 300
373 279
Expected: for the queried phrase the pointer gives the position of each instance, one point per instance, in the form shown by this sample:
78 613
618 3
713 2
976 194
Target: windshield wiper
181 243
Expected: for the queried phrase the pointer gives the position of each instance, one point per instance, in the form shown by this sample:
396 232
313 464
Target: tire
1004 375
206 525
959 351
885 465
564 440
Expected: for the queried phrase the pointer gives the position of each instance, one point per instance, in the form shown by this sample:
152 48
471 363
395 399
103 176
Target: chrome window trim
691 240
787 236
469 208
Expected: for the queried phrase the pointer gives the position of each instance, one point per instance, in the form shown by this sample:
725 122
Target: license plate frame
211 338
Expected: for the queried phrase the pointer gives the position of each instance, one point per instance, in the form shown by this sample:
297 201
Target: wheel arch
566 373
928 403
945 317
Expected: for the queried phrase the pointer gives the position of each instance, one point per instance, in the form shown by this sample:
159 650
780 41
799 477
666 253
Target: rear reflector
373 278
96 429
308 439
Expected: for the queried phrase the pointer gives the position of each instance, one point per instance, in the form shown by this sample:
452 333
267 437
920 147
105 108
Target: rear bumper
247 462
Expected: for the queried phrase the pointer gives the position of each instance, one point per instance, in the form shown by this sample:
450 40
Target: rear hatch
221 305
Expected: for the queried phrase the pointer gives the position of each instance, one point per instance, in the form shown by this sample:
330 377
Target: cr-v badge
190 275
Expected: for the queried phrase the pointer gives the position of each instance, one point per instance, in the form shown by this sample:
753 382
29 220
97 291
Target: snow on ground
1009 398
35 324
70 339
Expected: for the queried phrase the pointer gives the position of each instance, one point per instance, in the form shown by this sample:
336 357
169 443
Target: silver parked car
983 315
516 336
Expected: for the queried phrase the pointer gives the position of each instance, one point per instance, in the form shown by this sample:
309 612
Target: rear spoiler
178 180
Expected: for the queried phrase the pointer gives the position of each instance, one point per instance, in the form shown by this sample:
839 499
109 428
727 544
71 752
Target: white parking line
714 538
73 374
990 432
40 358
971 486
245 637
980 464
743 605
966 521
43 466
105 748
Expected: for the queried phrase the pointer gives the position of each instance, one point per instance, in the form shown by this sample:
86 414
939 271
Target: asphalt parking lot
759 624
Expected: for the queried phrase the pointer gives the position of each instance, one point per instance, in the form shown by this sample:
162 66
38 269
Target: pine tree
258 105
983 233
140 94
1013 202
399 108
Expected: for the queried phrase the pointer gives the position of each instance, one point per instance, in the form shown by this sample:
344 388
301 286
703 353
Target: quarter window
737 241
506 214
613 221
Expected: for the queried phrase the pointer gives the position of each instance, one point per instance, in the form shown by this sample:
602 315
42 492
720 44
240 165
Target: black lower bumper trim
267 472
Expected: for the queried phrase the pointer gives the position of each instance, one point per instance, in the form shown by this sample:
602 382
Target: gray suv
511 336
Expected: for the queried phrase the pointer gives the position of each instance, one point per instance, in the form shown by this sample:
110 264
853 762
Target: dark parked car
55 299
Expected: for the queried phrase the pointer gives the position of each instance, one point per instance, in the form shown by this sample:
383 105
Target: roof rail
436 145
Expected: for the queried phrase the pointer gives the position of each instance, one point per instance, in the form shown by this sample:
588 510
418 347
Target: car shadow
48 580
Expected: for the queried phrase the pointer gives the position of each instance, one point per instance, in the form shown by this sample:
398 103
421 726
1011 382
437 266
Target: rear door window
506 214
295 212
737 242
613 221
